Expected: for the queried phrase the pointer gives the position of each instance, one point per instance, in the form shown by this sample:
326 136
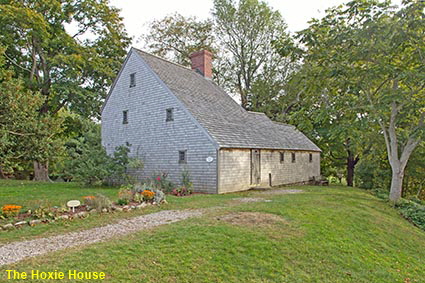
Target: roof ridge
165 60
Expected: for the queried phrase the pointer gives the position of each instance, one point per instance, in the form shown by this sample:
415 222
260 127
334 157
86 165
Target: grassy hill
325 234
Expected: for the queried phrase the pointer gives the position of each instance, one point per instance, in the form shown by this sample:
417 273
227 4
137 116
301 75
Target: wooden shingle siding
235 171
157 141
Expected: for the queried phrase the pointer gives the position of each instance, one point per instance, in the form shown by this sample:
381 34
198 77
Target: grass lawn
326 234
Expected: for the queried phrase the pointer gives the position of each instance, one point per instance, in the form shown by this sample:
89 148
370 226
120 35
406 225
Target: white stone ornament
73 204
209 159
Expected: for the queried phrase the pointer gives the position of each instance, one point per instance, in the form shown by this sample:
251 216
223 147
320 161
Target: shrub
122 201
101 201
181 191
159 196
412 211
11 210
125 193
89 201
161 182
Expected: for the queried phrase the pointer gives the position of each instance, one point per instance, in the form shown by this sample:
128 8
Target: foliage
159 196
366 57
89 200
181 191
246 30
42 212
121 201
176 37
160 181
25 135
125 194
186 182
88 161
412 211
101 202
10 210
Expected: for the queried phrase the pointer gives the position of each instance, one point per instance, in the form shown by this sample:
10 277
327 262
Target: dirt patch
249 199
282 192
255 219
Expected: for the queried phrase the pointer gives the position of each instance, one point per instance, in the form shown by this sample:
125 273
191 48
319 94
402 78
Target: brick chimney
202 63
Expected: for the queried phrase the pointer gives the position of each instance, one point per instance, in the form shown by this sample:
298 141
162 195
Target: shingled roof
227 122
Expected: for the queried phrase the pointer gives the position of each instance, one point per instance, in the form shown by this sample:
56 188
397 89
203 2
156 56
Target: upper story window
125 117
282 157
169 115
293 157
310 157
133 80
182 156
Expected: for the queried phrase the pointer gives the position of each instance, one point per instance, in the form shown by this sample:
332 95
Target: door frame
258 181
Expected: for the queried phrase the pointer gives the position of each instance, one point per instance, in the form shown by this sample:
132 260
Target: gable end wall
153 140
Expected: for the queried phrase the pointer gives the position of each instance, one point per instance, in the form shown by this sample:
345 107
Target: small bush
159 196
101 201
412 211
161 182
122 201
126 193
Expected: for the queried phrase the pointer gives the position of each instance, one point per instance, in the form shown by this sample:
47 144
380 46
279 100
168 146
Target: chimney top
202 63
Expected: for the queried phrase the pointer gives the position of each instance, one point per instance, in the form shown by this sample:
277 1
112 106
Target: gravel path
14 252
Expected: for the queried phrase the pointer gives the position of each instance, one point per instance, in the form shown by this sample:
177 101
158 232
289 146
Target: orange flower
11 209
148 194
89 197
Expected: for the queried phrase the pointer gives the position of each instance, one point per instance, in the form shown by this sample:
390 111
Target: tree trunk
350 172
396 185
41 171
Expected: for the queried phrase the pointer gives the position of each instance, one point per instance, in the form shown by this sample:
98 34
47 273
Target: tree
176 37
246 31
22 130
72 70
368 57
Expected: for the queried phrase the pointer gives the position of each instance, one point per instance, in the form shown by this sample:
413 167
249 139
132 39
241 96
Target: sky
137 14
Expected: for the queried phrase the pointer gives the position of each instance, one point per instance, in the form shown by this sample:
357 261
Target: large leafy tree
66 50
246 30
22 130
368 58
176 37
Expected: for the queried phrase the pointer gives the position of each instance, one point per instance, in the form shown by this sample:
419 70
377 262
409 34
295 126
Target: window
125 117
293 157
133 80
282 157
310 157
169 116
182 156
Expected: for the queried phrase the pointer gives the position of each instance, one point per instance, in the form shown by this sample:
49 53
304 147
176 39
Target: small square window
293 157
125 117
310 157
133 80
282 157
169 115
182 156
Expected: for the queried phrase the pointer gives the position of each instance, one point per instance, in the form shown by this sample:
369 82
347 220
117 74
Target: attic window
282 157
133 80
125 117
310 157
182 156
293 157
169 115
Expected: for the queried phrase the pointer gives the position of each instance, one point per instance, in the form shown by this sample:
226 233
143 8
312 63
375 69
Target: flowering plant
10 210
148 195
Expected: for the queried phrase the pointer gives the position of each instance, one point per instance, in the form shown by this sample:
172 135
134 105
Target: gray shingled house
175 119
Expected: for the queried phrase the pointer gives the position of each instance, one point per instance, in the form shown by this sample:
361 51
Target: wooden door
255 167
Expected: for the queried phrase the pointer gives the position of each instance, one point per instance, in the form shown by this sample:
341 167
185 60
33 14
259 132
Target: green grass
330 234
